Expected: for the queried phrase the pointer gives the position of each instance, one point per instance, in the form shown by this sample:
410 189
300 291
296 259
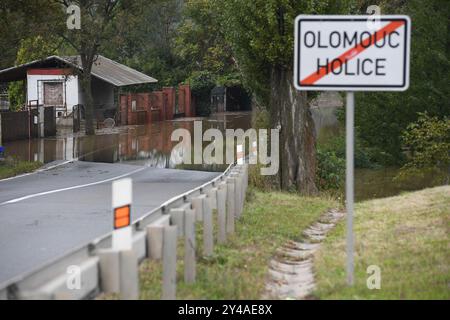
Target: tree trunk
290 111
88 105
86 82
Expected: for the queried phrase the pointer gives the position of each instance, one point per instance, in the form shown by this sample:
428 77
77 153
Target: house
54 82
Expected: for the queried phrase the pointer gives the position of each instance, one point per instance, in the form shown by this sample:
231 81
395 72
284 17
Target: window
53 94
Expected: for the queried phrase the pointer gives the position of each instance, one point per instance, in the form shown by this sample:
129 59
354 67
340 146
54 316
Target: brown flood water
148 144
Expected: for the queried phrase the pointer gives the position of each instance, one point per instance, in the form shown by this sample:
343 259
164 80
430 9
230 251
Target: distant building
233 98
54 82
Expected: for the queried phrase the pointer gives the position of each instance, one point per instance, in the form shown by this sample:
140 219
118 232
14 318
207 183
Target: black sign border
352 85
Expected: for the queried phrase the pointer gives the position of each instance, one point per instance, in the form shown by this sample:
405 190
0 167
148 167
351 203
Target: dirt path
291 274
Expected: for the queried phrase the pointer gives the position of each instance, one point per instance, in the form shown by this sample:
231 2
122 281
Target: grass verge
11 168
407 236
238 269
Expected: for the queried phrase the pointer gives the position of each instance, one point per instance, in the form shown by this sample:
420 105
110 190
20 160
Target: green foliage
201 45
336 146
428 141
31 49
330 170
261 34
12 167
143 38
25 19
16 95
202 82
331 160
382 117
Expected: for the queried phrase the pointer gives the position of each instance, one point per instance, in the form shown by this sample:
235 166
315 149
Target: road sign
122 237
351 53
345 53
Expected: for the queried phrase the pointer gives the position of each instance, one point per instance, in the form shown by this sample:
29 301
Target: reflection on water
150 144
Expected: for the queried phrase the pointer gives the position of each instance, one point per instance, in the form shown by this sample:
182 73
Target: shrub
330 173
427 142
364 157
202 83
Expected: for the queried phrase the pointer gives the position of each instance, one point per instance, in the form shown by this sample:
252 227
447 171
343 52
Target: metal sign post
349 178
345 53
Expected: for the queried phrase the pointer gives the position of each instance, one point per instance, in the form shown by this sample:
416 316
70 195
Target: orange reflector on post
122 217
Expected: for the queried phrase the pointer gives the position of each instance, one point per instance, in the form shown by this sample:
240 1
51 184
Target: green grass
407 236
10 168
238 269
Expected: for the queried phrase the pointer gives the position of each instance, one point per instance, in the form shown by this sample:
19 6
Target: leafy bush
428 143
202 82
364 157
330 173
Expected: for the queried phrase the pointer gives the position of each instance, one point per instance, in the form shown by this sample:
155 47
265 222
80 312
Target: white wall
71 88
102 91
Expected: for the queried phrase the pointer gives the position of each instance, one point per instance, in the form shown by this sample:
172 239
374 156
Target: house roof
103 68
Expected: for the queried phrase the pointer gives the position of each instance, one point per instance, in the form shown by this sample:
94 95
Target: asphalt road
45 214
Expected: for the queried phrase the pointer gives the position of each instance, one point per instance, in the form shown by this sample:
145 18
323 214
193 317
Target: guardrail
101 269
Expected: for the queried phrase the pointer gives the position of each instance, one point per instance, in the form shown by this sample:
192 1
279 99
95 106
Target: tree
200 43
145 40
381 117
98 18
23 19
261 33
31 49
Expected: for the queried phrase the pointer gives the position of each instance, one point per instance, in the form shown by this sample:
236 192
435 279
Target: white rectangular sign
352 53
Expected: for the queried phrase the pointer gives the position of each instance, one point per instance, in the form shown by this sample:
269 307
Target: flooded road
150 145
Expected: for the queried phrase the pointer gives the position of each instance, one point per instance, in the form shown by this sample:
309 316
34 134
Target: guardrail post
208 230
245 178
230 205
177 219
238 191
189 247
155 240
109 270
169 263
119 273
221 212
197 205
212 194
129 279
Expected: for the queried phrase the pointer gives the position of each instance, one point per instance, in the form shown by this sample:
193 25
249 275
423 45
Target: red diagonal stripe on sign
350 54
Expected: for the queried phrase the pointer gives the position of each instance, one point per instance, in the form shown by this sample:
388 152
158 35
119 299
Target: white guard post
240 154
254 152
121 204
